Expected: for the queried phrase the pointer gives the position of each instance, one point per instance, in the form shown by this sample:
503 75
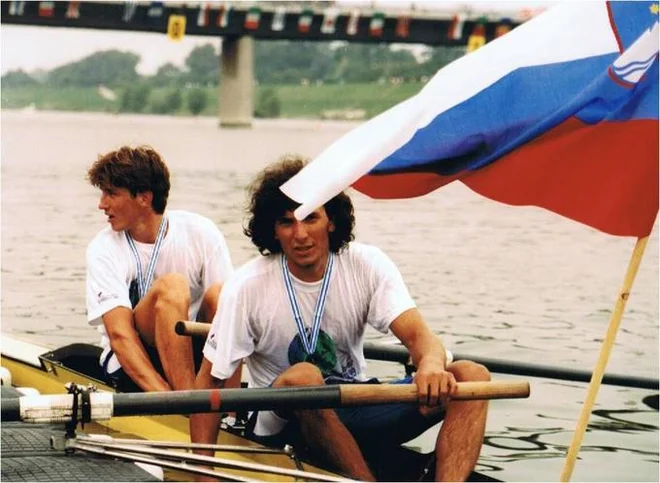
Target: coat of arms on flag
252 18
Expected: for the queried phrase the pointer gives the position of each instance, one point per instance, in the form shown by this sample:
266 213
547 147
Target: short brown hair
137 169
268 203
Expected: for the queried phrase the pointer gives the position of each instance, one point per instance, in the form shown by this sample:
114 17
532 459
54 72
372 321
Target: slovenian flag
561 113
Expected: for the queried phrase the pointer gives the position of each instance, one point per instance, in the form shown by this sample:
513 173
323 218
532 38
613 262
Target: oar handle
188 327
356 394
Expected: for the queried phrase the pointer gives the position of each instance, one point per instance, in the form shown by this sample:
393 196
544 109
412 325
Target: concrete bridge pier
236 82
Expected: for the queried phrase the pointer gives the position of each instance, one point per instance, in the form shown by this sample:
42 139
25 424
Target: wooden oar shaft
52 408
398 353
362 394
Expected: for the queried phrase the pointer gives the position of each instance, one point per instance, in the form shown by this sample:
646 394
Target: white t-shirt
193 247
255 321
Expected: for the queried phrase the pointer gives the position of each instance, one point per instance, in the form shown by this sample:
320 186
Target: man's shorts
376 428
123 383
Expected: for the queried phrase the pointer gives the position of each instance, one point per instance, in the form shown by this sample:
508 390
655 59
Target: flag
455 30
203 15
223 15
376 24
73 10
329 20
16 8
402 29
278 19
129 10
252 18
46 9
353 22
155 10
176 27
305 20
563 115
503 27
477 38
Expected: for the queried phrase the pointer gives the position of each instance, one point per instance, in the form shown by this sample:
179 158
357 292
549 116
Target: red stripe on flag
604 175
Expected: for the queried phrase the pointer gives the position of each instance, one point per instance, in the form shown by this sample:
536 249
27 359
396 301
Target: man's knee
468 371
170 291
301 374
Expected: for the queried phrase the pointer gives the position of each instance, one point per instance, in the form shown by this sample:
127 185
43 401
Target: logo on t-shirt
102 297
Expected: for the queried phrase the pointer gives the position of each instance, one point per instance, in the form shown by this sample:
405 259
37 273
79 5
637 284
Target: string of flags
221 14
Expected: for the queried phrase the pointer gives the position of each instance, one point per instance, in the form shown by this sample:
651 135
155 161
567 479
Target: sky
32 48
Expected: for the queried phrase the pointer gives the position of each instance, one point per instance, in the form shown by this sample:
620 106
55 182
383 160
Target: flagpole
606 349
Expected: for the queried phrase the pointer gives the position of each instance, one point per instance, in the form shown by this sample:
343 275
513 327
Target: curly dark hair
138 170
267 204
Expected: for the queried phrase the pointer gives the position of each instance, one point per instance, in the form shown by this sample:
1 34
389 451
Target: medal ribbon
145 282
309 344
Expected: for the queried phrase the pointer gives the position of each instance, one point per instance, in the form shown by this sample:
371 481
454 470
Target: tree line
276 63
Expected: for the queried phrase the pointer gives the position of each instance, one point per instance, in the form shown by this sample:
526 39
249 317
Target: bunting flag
563 115
329 20
176 27
477 38
223 15
279 18
504 27
73 10
376 24
155 10
203 15
455 31
305 20
353 22
46 9
252 18
402 29
16 8
129 10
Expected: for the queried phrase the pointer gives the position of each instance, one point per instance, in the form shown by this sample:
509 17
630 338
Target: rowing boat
48 371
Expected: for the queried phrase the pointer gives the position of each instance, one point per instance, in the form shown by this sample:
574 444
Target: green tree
168 75
110 67
18 78
197 100
203 65
268 103
135 97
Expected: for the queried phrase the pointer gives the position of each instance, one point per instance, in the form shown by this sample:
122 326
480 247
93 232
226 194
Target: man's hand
435 385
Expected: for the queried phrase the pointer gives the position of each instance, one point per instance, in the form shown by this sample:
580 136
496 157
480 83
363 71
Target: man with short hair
297 315
149 269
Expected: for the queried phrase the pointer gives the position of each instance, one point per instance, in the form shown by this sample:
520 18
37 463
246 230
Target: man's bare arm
126 344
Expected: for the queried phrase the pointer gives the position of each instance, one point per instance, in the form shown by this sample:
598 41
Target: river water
493 280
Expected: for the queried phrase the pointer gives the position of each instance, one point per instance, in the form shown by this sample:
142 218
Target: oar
398 353
104 405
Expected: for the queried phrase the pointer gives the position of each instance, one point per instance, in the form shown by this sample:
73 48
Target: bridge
238 24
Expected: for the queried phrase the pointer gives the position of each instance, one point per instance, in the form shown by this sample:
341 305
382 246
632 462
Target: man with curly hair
147 270
297 315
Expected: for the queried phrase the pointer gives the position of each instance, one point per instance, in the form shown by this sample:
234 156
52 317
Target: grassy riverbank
312 101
